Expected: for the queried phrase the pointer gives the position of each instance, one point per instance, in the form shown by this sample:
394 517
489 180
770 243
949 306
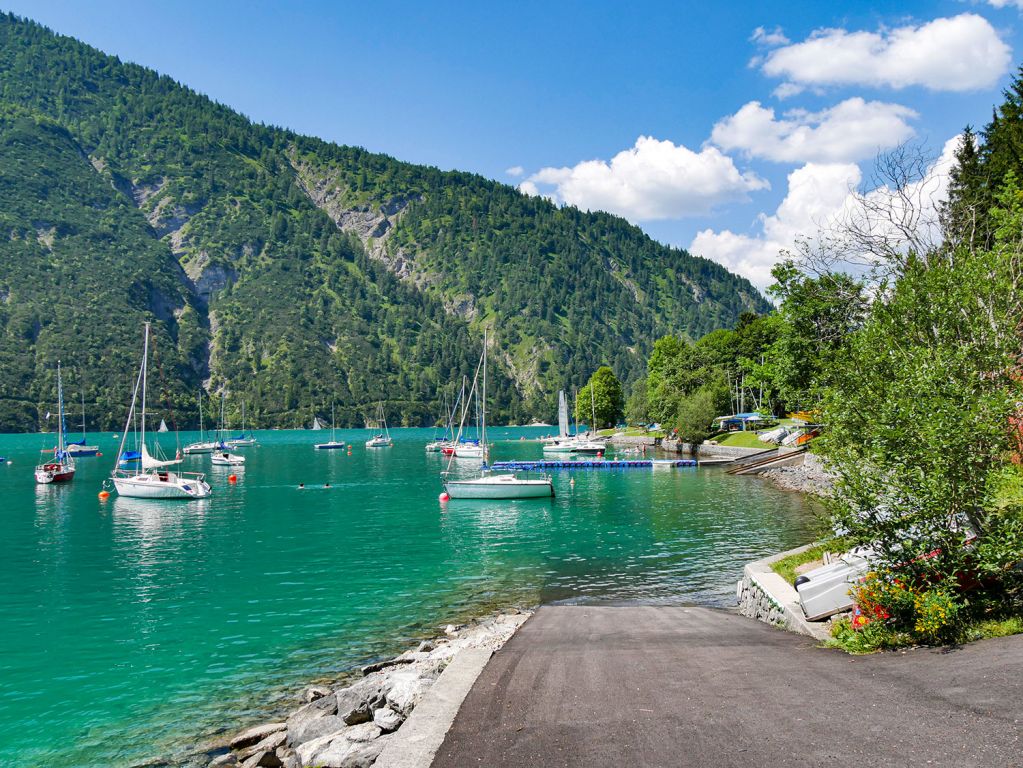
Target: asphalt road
642 686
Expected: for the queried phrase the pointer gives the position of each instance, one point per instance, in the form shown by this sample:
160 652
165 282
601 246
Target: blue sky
563 92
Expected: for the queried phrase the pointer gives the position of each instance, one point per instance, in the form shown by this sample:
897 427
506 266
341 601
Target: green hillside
291 272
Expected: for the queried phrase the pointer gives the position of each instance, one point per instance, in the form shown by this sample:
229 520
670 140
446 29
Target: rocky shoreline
809 477
349 726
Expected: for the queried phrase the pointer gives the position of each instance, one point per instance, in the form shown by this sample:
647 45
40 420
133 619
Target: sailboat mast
484 417
83 412
593 411
145 374
60 416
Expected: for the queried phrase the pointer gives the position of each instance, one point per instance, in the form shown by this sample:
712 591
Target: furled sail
562 414
148 462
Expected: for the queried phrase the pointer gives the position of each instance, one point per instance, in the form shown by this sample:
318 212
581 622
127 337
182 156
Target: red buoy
444 496
232 478
104 495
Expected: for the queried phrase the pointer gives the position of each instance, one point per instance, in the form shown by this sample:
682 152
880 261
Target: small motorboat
225 459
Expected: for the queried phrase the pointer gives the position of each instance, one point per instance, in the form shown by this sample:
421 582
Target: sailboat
61 468
437 445
495 486
204 445
79 448
245 438
152 479
163 426
382 440
562 443
221 457
333 444
588 443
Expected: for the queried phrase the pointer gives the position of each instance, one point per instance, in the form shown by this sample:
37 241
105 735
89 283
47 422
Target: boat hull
82 450
198 448
499 488
379 444
227 460
337 446
54 473
154 486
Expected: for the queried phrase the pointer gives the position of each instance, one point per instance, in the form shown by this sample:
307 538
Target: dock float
528 466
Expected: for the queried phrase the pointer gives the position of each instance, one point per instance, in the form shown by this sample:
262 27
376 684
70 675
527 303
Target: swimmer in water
301 486
326 485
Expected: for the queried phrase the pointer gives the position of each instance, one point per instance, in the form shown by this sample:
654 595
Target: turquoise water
133 630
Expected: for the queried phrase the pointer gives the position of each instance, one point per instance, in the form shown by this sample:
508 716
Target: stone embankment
808 477
349 727
765 596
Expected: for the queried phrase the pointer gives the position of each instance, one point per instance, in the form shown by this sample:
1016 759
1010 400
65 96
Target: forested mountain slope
289 271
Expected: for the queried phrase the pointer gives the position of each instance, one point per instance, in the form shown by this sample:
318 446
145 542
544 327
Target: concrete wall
765 596
713 451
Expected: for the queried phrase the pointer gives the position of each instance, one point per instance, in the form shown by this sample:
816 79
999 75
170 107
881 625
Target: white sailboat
333 444
61 468
382 440
563 443
221 457
152 479
79 448
489 485
163 426
245 438
203 445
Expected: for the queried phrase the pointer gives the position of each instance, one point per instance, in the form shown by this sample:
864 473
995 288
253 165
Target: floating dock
529 466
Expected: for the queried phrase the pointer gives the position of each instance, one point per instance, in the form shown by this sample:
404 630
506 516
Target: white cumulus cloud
652 180
961 53
851 130
1006 4
820 196
515 171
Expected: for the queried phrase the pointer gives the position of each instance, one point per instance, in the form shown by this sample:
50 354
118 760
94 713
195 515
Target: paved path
634 687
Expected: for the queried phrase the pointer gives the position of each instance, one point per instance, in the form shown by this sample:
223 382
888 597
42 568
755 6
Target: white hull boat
225 459
333 445
196 449
163 485
500 487
379 442
469 452
152 479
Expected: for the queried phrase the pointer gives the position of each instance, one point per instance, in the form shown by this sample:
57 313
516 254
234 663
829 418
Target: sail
317 424
163 426
148 462
562 414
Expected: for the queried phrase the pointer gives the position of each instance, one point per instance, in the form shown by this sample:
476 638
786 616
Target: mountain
291 272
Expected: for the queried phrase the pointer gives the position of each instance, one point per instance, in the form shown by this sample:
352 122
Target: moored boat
152 479
382 440
333 444
490 485
61 468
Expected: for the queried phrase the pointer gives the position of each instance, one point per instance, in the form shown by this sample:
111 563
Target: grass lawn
786 567
741 440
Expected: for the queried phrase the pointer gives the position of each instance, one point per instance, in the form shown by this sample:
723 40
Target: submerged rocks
348 727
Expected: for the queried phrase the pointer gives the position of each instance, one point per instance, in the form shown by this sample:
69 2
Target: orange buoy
444 496
104 495
232 478
98 453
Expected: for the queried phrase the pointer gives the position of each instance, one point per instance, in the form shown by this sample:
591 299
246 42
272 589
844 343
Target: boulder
363 732
264 758
406 689
223 761
289 758
269 744
425 647
315 719
255 735
314 692
355 704
339 751
387 719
